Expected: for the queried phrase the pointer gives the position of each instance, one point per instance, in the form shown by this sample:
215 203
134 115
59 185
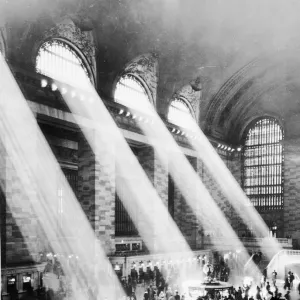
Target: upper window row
263 164
59 60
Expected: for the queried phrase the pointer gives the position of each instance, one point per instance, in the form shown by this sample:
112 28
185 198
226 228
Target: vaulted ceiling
246 52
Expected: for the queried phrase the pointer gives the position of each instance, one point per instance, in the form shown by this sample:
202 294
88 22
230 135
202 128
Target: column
156 169
4 284
20 221
291 205
96 188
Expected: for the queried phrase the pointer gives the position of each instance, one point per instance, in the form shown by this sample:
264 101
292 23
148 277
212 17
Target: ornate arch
145 69
81 41
228 108
191 93
67 47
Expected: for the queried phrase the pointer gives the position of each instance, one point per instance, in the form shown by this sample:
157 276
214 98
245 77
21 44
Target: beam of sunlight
143 194
191 187
233 191
37 171
155 225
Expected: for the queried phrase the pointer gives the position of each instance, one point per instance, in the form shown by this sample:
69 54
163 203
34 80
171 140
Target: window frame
74 49
268 205
186 103
140 82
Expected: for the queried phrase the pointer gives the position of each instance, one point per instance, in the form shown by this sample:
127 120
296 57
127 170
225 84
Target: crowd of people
163 281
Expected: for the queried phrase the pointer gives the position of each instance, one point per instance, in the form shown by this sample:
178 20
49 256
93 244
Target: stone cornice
49 104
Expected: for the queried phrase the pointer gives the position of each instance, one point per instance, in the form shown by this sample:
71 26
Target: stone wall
292 190
22 239
96 189
157 172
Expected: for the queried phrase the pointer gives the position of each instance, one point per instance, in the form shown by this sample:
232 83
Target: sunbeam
233 191
22 138
185 177
195 193
160 234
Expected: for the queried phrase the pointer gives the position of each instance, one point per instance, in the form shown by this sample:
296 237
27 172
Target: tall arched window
58 60
263 164
181 114
131 93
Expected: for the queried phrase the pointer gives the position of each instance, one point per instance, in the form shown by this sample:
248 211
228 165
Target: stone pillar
234 164
200 229
19 280
96 188
184 215
19 195
291 202
157 172
2 205
4 284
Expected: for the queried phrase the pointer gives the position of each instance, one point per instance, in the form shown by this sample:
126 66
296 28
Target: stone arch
191 93
81 41
247 123
72 49
145 69
242 94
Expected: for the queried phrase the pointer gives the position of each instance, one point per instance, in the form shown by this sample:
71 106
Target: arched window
180 113
58 60
131 93
263 164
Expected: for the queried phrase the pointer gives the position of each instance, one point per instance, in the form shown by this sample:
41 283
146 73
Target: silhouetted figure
29 295
14 294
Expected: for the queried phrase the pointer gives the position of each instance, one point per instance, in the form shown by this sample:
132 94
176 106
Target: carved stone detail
192 93
83 40
145 66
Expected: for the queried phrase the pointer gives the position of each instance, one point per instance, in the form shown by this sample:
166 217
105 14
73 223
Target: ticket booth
119 270
11 284
26 282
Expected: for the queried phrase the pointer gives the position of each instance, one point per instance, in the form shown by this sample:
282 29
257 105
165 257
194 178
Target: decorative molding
145 67
192 93
226 93
82 40
23 269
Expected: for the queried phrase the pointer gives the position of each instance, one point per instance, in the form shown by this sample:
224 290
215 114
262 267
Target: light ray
233 192
195 193
190 188
157 228
144 195
37 170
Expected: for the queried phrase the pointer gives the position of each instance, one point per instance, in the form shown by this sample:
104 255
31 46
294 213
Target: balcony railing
284 242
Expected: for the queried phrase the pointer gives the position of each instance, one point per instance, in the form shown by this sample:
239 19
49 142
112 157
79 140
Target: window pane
263 156
180 114
131 93
59 61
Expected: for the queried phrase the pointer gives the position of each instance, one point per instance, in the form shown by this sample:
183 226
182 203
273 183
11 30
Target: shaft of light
233 191
154 224
37 170
190 185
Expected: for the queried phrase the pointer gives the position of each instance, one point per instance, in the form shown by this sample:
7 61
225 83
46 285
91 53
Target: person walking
274 277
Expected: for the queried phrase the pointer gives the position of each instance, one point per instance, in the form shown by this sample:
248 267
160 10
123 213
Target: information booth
11 284
26 282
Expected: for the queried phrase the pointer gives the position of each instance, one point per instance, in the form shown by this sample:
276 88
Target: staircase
281 260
